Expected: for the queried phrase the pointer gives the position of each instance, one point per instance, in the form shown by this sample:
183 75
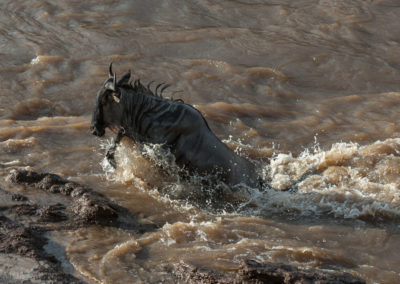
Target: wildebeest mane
139 99
137 87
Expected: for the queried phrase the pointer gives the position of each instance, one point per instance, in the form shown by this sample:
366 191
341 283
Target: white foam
336 183
351 196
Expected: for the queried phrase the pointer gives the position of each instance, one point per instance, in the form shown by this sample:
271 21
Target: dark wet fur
147 117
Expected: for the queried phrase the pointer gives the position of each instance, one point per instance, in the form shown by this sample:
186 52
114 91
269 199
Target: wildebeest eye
110 96
116 96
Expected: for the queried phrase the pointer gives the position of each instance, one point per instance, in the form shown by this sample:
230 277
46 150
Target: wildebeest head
108 111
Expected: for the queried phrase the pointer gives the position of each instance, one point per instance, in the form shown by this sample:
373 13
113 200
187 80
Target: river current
308 90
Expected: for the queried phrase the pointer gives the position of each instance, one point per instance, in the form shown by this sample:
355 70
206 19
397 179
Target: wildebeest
144 116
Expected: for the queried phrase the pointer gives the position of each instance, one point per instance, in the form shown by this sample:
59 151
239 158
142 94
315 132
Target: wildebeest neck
139 109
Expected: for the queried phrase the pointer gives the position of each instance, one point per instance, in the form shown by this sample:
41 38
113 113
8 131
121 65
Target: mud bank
25 223
23 258
254 272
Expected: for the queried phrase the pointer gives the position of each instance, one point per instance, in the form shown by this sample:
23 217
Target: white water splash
345 181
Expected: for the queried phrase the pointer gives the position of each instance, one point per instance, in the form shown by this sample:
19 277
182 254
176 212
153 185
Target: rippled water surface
305 89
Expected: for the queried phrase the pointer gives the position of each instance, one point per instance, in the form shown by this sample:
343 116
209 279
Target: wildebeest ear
111 85
124 79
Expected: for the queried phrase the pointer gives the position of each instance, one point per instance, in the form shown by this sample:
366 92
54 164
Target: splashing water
346 181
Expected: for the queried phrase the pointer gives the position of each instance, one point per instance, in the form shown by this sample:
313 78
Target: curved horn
115 82
110 72
111 83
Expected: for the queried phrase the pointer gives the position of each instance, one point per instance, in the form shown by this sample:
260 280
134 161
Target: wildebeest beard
134 111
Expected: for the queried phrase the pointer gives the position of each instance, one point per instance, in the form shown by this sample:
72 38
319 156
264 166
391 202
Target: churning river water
299 87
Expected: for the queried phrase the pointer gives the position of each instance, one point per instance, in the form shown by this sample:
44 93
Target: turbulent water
308 90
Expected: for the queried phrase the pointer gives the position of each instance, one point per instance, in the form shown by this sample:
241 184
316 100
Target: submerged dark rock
18 197
19 239
24 245
25 221
282 273
253 272
93 209
46 181
86 206
52 213
188 273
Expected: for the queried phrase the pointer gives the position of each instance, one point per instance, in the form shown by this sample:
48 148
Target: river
305 89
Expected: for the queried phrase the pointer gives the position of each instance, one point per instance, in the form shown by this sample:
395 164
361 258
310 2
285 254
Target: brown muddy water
296 86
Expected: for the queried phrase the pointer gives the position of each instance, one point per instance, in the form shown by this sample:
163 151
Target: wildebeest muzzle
98 131
97 128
